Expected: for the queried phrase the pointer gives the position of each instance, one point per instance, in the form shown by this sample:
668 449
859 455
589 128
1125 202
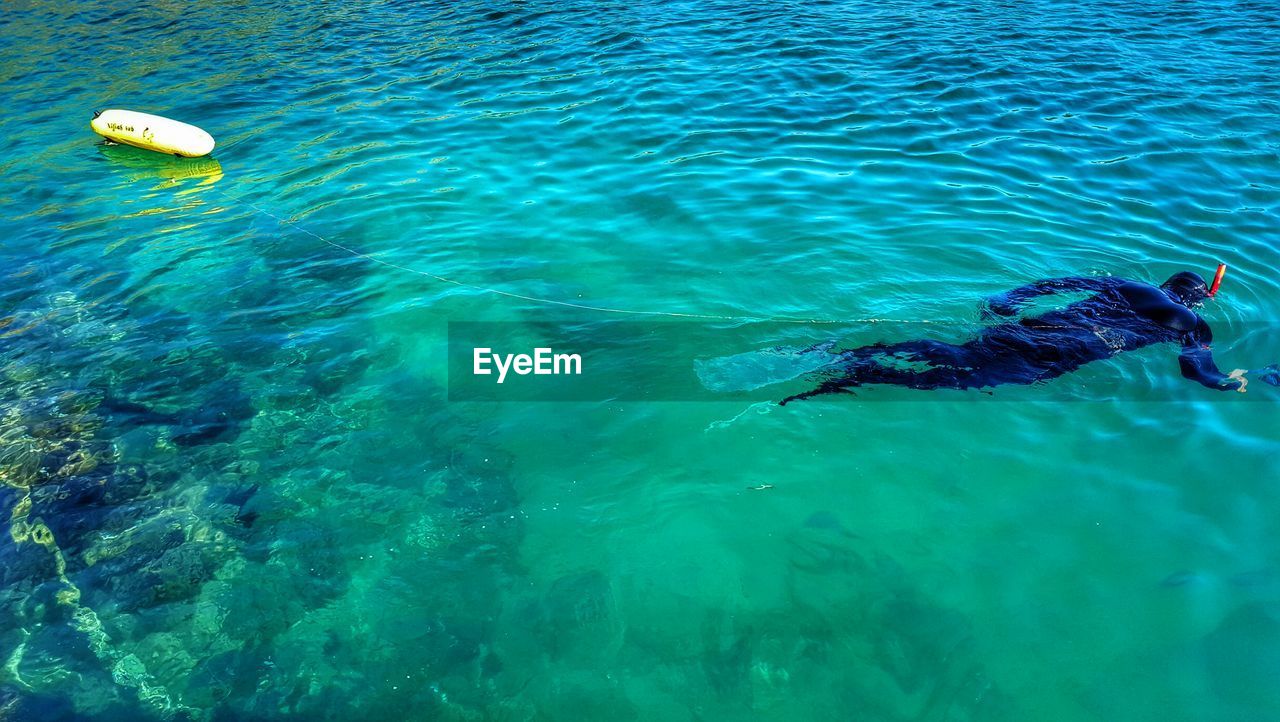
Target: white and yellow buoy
152 132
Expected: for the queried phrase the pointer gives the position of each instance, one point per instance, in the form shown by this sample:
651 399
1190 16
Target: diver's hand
997 306
1269 374
1238 375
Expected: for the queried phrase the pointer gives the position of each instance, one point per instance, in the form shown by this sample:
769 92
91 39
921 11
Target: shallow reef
170 555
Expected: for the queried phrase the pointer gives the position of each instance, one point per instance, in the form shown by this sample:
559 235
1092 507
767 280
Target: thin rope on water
557 302
591 307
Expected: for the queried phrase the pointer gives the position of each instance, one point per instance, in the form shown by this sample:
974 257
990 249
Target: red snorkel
1217 279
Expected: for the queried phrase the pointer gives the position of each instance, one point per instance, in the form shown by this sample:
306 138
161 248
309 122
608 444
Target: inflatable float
152 132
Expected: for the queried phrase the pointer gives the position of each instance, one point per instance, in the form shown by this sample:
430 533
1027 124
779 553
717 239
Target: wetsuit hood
1188 287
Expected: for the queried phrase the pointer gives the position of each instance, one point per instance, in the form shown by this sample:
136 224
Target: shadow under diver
1121 315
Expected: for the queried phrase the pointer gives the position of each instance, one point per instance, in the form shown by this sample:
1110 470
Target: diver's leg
947 365
831 386
929 351
950 366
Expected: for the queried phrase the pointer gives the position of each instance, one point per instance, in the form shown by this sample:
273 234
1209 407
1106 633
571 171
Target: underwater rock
217 677
1242 660
236 499
220 418
221 576
153 557
827 568
727 657
899 655
17 703
586 695
41 444
477 482
72 511
580 617
23 567
332 366
181 571
261 605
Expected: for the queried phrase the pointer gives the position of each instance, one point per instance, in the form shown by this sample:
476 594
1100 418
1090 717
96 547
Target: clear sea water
235 487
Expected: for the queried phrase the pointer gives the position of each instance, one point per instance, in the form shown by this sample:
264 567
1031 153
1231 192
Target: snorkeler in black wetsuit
1121 315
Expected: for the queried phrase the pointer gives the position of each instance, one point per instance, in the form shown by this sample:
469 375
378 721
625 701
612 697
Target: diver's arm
1197 363
1007 303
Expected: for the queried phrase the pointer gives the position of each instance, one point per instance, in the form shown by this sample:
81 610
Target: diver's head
1188 288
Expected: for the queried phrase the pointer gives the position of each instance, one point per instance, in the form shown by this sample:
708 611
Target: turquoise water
237 489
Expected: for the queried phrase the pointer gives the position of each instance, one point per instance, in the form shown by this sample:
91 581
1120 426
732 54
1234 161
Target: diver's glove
1238 376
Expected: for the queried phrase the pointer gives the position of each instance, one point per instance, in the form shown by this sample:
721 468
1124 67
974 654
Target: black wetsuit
1120 316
